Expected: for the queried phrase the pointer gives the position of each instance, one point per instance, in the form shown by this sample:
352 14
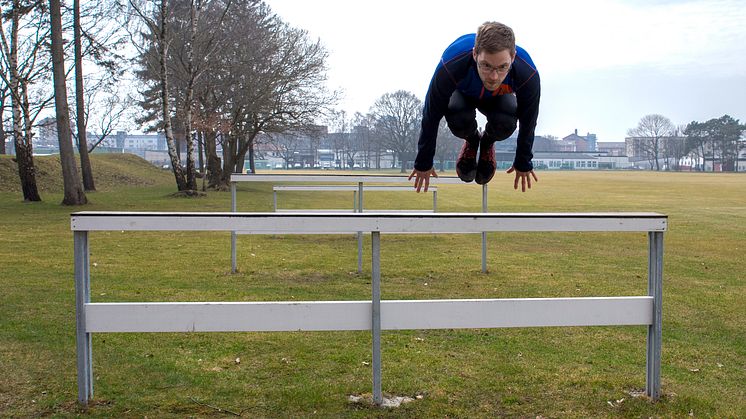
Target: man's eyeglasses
502 69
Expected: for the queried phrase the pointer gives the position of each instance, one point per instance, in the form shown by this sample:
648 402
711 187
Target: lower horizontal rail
356 315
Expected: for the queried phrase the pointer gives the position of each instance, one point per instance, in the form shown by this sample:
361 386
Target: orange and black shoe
487 164
466 165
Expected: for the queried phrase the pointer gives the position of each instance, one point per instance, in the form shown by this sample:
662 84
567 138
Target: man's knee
501 126
461 116
462 124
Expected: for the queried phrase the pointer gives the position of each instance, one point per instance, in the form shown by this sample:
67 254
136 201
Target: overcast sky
604 64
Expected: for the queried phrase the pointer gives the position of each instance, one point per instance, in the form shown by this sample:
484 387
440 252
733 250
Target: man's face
493 67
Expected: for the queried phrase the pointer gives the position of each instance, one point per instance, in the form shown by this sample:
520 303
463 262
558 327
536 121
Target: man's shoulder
522 56
463 44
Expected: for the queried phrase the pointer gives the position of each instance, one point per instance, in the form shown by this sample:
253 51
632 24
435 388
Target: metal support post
360 233
234 264
654 339
82 296
376 316
484 234
435 201
274 200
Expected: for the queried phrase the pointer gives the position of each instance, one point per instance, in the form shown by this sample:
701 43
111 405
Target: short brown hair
494 37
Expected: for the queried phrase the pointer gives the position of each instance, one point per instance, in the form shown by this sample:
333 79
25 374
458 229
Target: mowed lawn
548 372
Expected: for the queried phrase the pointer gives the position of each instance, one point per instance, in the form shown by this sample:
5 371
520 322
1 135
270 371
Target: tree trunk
246 146
25 161
85 162
2 125
712 152
200 151
191 178
229 156
74 194
214 171
22 143
181 184
252 165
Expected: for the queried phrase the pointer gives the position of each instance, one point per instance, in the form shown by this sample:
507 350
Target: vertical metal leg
234 264
82 296
435 201
359 252
360 233
360 196
376 319
274 201
484 234
655 289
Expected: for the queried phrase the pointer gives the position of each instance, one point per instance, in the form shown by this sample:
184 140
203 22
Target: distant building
612 148
565 161
121 142
578 143
138 142
544 144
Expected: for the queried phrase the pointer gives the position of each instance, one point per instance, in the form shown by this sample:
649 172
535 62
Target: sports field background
549 372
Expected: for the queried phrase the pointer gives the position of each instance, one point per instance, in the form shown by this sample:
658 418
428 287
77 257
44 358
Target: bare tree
3 96
24 62
204 41
96 42
340 125
74 194
266 77
397 118
287 146
112 110
675 148
276 86
296 94
154 17
363 137
651 130
448 145
85 162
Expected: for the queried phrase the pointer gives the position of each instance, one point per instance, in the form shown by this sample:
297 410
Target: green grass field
548 372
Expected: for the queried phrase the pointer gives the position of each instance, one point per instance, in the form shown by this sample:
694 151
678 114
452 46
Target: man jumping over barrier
485 71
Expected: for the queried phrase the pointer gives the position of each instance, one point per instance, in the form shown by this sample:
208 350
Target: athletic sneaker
466 165
487 164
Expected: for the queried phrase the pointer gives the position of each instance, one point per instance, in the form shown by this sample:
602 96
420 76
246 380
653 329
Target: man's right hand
422 178
523 177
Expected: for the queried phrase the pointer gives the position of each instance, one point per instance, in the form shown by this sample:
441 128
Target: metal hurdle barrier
374 315
357 205
359 180
348 188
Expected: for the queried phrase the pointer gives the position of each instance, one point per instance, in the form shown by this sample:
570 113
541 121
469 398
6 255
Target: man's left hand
523 177
422 178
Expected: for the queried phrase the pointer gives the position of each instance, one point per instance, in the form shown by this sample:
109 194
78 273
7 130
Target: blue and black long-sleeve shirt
458 70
